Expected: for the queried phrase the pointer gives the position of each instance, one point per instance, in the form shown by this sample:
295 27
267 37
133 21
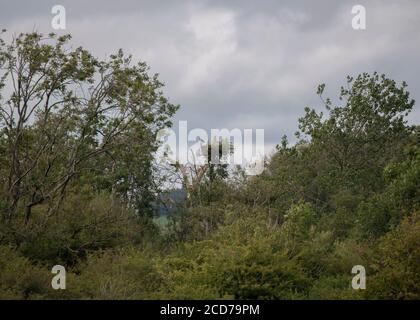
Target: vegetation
78 187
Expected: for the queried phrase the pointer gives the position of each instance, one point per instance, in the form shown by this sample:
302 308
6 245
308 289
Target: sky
242 64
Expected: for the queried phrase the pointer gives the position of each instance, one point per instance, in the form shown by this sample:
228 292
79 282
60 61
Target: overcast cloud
242 64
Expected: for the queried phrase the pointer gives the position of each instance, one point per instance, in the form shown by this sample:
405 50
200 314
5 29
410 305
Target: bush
84 223
397 263
19 279
116 274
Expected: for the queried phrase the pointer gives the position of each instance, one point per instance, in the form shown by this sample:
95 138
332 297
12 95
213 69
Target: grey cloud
242 63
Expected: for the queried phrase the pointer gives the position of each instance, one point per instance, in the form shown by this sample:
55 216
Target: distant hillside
169 201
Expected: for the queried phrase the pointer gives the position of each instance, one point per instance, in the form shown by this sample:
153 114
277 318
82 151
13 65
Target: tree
396 263
67 117
360 137
385 210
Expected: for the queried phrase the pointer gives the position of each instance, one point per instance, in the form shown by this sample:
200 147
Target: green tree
71 119
360 137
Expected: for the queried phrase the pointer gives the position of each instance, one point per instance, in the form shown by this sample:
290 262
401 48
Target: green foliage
127 274
77 188
298 222
72 119
196 223
98 223
401 196
397 262
19 278
360 137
